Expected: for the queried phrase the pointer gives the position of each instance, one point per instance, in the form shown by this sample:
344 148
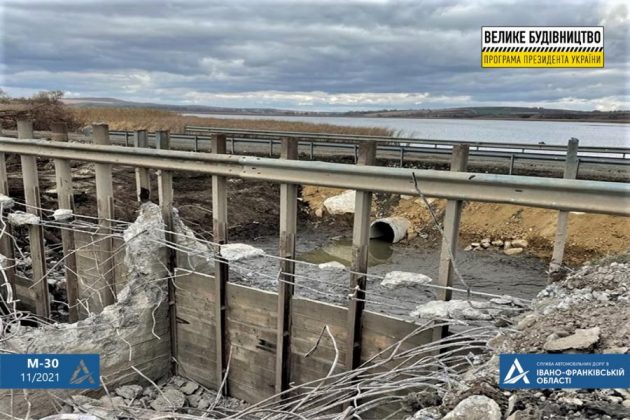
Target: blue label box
523 371
49 371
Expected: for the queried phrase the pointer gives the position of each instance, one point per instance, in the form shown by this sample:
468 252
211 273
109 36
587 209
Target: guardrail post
402 156
105 207
221 268
511 170
65 200
165 194
360 244
452 216
312 150
270 148
232 145
126 138
196 143
570 172
356 153
143 181
288 229
35 232
6 245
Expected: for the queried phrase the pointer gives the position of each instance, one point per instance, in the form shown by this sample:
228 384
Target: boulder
189 387
236 252
582 339
129 392
497 242
341 204
513 251
332 266
520 243
169 399
475 407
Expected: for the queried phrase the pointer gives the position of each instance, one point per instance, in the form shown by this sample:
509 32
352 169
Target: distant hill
490 112
496 112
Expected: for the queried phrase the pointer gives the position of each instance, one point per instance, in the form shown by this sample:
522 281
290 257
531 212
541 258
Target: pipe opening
389 229
382 231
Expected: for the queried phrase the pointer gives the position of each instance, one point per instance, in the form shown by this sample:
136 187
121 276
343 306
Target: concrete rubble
341 204
123 333
396 279
466 310
20 218
588 312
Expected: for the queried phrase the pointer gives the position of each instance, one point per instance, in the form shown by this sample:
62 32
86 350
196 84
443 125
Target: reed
155 119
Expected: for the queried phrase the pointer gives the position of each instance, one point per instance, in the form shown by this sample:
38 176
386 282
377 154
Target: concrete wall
124 334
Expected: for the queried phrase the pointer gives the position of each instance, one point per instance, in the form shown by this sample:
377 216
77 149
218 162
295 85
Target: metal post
360 244
165 194
312 150
35 232
127 138
196 143
452 215
288 230
402 156
511 170
219 228
6 245
356 153
65 200
105 207
270 148
232 145
570 172
143 181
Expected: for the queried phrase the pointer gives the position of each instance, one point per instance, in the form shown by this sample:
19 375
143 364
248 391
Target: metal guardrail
512 153
266 134
560 194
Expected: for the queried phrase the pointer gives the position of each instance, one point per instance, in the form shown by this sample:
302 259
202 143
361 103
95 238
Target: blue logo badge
521 371
49 371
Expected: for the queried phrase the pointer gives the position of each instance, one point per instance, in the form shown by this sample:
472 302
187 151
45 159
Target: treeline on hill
43 107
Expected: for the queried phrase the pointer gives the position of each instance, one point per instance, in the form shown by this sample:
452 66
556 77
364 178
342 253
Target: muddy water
487 271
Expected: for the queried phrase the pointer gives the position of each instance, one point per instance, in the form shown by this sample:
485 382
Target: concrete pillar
65 200
105 207
219 228
143 181
366 155
35 232
562 226
165 193
288 230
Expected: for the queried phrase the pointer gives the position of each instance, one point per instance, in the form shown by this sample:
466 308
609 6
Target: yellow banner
542 59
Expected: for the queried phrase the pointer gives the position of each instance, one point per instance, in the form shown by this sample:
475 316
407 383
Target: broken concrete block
236 252
20 218
396 279
6 202
129 392
341 204
580 340
169 399
332 266
475 407
189 387
62 215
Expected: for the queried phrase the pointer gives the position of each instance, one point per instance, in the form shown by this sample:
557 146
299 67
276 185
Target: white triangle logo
511 378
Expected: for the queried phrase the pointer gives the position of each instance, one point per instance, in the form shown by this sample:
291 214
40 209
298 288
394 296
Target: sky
303 55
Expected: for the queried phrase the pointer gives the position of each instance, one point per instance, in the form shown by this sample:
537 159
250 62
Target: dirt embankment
591 236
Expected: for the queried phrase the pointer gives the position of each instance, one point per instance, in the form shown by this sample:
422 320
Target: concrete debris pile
131 332
508 246
588 312
176 394
496 309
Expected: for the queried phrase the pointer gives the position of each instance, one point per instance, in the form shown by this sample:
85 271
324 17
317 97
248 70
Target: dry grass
154 119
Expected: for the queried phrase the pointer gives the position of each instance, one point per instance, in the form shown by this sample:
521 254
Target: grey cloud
140 49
